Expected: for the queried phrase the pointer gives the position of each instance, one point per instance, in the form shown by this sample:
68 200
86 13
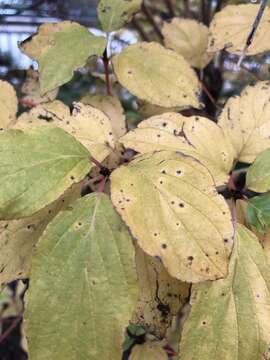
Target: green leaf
229 318
258 175
114 14
157 75
175 196
83 284
19 237
36 167
258 212
60 49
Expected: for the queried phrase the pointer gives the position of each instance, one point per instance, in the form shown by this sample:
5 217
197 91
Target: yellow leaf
88 125
246 121
148 351
19 237
112 107
8 104
171 206
229 318
195 136
231 26
161 296
188 38
157 75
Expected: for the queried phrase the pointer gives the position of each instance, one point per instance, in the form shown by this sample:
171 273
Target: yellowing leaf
246 121
8 104
114 14
157 75
60 49
83 284
229 317
231 26
37 167
188 38
148 351
258 175
195 136
31 90
161 296
18 237
111 106
88 125
168 201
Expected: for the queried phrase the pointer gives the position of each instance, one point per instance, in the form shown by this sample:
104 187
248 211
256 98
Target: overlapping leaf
148 351
36 168
258 175
60 49
157 75
114 14
84 269
8 104
18 237
112 107
246 121
195 136
88 125
161 296
231 26
171 206
258 212
229 317
188 38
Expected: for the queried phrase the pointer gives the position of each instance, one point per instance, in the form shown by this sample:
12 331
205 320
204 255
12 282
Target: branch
152 21
253 31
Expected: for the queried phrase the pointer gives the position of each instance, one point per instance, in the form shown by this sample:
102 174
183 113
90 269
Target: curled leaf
161 296
148 351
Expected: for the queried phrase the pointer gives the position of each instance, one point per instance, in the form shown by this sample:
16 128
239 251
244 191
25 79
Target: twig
209 95
13 325
107 72
170 7
140 29
253 31
152 21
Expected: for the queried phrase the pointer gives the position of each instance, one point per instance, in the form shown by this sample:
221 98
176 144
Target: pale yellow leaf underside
168 201
157 75
246 121
229 318
8 104
188 38
87 124
231 26
195 136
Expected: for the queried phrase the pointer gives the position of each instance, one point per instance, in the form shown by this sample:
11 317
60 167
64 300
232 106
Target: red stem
106 62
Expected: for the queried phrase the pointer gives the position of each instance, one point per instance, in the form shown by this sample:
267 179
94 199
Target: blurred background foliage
19 19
